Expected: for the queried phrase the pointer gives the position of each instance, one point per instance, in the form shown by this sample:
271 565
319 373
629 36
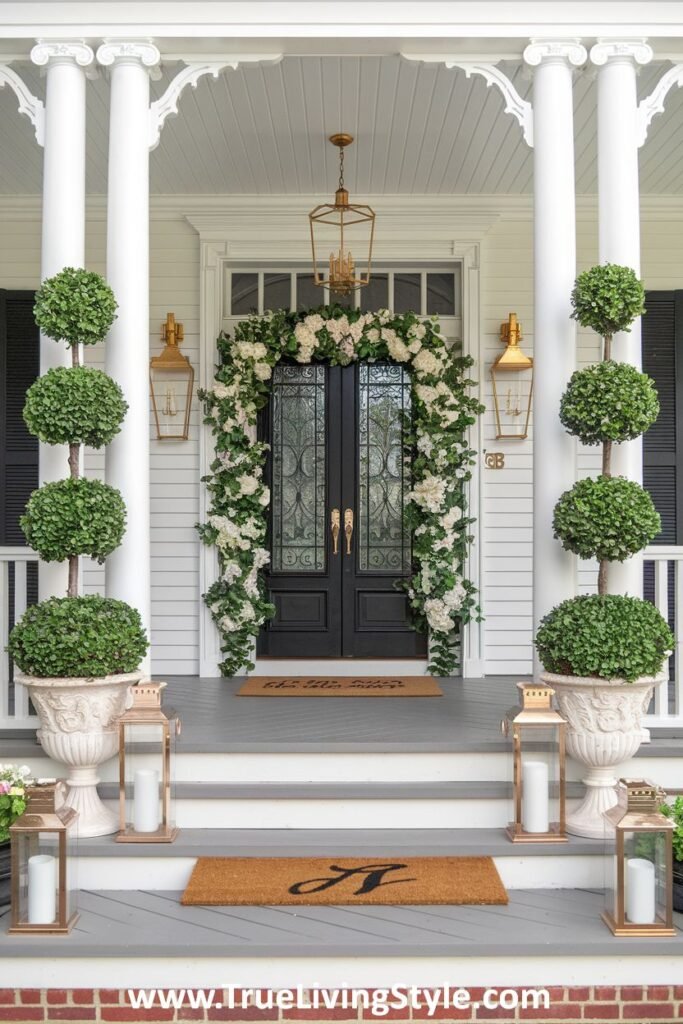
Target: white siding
506 285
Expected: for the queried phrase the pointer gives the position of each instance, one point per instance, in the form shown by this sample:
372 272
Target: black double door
338 543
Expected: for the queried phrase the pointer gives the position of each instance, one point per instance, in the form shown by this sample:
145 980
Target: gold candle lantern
42 848
147 735
639 887
539 767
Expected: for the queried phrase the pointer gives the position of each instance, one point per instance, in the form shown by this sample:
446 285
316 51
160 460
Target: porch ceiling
420 129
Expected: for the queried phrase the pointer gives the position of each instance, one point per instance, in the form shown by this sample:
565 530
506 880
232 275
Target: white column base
94 819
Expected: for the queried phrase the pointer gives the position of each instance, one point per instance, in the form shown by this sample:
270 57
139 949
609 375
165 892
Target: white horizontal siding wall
174 466
506 285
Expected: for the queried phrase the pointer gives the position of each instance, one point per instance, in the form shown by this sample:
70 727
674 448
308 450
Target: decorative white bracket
167 104
520 109
654 103
30 105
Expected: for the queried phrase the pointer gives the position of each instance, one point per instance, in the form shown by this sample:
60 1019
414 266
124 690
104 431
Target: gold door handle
348 528
335 526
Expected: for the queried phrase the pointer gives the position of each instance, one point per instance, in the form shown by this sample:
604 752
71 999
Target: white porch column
554 577
63 233
127 348
619 230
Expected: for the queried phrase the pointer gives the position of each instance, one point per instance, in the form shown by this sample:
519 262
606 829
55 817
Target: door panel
375 481
302 473
336 444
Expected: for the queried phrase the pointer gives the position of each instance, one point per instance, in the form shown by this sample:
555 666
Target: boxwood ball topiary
78 636
608 636
609 402
608 298
75 306
74 517
608 518
75 405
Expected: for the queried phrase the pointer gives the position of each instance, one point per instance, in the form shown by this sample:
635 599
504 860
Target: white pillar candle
535 796
640 891
146 800
42 889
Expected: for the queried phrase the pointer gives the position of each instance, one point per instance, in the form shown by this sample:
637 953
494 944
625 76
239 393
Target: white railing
663 713
19 558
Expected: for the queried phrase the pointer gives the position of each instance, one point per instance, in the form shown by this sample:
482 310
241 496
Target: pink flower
4 787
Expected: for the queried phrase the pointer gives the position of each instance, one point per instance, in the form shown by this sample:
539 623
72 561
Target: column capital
74 52
126 52
562 51
633 51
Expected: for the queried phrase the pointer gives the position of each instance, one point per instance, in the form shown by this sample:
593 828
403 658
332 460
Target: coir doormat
340 686
343 881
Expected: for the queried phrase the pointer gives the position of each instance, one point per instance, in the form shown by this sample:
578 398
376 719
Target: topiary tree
76 405
610 518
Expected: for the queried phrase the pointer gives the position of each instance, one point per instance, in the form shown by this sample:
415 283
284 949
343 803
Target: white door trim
248 230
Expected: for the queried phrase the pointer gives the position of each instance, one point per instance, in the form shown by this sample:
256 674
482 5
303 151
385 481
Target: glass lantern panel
512 394
172 390
538 780
145 777
308 293
645 889
39 889
332 257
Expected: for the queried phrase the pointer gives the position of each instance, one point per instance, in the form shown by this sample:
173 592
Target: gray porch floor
554 923
467 718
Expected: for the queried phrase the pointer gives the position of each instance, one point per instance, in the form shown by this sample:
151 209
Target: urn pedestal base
604 730
79 728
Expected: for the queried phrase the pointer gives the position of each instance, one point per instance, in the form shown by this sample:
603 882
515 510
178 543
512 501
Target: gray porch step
201 842
548 923
340 790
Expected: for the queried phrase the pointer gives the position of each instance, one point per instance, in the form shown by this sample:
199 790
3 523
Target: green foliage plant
675 812
76 405
609 636
14 781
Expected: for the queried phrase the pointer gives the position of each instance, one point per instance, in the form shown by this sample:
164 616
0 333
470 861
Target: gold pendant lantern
512 375
171 381
337 226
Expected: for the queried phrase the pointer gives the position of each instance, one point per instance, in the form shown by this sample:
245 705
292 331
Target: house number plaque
494 460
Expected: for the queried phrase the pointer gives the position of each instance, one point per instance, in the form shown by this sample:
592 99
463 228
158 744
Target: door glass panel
277 291
308 294
441 294
407 293
244 294
375 295
298 469
383 478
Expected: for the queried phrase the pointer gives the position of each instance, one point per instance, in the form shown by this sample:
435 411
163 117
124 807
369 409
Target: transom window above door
425 290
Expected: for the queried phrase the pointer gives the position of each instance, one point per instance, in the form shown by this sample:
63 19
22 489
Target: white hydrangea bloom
429 493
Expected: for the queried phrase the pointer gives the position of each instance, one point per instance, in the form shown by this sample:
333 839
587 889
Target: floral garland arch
435 440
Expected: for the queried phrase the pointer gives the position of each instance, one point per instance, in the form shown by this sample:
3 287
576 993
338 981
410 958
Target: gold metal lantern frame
171 384
636 821
540 730
342 274
147 736
512 377
46 832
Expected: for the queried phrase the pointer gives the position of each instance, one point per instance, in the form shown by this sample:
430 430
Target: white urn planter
604 730
79 727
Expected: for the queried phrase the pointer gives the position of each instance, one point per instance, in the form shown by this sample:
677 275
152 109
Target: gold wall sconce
171 381
512 374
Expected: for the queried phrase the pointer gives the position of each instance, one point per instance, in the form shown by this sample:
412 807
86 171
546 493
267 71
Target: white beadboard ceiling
419 129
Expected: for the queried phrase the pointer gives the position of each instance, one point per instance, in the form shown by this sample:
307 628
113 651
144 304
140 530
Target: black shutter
19 367
663 443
